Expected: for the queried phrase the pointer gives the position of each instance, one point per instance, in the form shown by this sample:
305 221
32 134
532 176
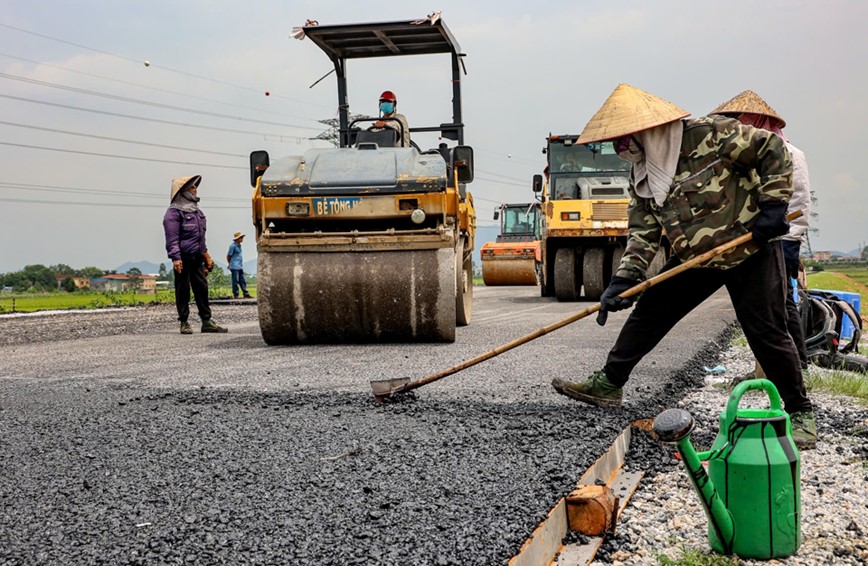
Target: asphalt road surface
124 442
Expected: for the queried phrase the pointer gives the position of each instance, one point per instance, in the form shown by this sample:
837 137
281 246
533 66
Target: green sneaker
596 390
186 328
804 429
211 326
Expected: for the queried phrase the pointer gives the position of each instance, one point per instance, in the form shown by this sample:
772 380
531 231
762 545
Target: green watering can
751 491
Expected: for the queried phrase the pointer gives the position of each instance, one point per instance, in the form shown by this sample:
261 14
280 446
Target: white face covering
654 168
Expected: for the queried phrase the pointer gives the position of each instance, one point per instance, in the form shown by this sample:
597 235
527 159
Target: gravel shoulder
664 516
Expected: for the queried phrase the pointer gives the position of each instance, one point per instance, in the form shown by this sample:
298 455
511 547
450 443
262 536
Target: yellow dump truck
513 258
584 217
369 241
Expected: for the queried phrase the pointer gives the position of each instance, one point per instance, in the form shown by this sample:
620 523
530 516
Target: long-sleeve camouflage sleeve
765 153
643 241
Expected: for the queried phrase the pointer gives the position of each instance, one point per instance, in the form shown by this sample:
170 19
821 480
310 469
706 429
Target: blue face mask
387 107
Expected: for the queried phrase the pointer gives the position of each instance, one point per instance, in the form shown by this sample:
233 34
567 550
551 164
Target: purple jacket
185 233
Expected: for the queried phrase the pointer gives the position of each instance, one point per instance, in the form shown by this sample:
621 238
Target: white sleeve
801 199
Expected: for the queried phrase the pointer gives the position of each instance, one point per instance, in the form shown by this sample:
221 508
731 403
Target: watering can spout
674 426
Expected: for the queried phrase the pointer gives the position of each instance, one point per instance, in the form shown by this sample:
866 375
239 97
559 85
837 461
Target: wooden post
592 509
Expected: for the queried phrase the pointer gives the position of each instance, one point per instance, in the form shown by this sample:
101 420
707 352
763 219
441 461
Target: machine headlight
571 215
297 208
418 216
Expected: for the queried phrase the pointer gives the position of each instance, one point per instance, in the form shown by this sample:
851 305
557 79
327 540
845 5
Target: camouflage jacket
725 170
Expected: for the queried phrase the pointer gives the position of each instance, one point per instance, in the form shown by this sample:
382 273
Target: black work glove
791 257
770 223
610 301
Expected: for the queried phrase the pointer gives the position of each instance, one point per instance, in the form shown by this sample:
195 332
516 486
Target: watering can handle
750 385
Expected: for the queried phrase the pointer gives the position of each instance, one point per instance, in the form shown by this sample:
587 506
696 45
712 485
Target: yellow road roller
584 218
370 241
514 258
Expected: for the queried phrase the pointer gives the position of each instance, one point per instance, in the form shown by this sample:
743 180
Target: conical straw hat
629 110
181 182
748 102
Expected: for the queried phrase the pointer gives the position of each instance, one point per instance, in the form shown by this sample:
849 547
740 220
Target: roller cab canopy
385 39
354 171
425 36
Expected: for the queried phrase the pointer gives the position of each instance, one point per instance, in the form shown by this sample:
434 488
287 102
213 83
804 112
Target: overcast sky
533 68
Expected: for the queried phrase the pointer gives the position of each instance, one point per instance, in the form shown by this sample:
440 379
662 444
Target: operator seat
386 137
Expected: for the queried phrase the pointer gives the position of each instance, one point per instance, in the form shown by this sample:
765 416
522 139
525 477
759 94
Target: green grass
846 383
739 340
850 280
850 384
694 557
63 301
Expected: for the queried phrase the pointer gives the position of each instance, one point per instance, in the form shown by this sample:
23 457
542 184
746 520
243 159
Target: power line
499 175
79 190
115 205
150 103
276 137
138 61
501 182
97 154
94 136
507 156
158 89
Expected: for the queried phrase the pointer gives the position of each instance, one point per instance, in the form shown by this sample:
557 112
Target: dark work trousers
192 275
794 319
756 287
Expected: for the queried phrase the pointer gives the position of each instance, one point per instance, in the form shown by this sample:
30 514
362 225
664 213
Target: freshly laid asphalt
123 442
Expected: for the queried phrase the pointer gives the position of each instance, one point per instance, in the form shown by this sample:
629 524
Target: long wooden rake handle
580 315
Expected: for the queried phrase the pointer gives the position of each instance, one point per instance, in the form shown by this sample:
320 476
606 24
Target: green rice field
849 279
24 302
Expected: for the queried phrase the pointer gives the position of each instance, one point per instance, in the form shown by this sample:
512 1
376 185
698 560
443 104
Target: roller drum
356 297
508 271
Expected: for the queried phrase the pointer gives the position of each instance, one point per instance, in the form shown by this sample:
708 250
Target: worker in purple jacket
184 225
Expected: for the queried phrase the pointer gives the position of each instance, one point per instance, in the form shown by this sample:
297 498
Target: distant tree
62 269
865 253
164 274
217 278
91 272
68 285
31 278
135 280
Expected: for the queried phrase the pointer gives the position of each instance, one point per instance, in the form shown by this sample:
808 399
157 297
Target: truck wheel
567 275
463 287
594 272
544 290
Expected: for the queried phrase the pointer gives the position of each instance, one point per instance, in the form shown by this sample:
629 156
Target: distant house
119 282
822 256
80 282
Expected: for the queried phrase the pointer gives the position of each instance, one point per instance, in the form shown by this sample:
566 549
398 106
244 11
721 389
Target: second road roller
514 258
369 241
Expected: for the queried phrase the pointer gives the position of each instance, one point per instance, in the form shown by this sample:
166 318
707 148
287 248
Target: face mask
387 107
